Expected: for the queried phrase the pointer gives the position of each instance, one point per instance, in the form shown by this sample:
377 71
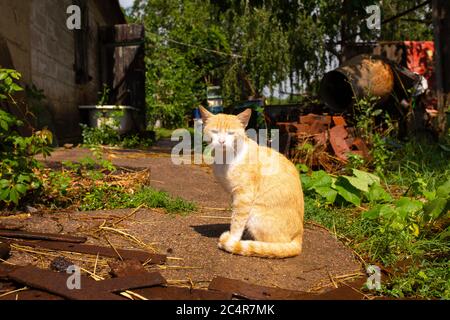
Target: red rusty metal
420 57
254 292
137 281
142 256
126 268
338 134
18 234
315 118
31 295
177 293
303 129
5 269
56 283
321 139
339 121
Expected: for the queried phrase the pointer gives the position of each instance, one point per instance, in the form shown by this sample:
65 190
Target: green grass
420 264
163 133
418 163
111 197
428 275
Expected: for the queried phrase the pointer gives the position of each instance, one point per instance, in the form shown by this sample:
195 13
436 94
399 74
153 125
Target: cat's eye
230 133
214 131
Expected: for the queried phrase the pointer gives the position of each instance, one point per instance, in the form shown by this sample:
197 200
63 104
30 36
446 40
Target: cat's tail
264 249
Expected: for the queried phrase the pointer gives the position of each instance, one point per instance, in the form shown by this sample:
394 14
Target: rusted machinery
327 126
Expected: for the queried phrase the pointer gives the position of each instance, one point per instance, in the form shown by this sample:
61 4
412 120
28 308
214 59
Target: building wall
53 58
14 25
43 50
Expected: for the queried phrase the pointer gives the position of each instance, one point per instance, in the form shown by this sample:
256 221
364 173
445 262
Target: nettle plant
17 162
430 209
374 132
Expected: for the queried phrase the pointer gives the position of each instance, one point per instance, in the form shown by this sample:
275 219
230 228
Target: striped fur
263 249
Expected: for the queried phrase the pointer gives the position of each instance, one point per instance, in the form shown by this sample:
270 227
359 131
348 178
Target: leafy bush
362 186
17 162
373 130
95 184
107 135
405 213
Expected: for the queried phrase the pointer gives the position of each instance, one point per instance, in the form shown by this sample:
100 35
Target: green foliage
419 166
249 46
109 136
428 279
87 185
105 135
404 214
17 163
425 256
104 95
409 226
362 186
107 197
374 126
8 86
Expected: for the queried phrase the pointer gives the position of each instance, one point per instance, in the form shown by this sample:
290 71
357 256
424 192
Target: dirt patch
192 241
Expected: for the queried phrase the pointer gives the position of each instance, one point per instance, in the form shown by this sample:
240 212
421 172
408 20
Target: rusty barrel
359 77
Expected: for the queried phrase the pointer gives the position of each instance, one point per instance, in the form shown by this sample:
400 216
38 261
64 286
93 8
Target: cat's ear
205 114
244 117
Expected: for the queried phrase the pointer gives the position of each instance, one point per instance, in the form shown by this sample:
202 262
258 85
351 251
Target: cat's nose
222 140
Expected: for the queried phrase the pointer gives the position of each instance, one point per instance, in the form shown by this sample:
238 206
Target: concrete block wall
52 64
53 58
14 27
43 50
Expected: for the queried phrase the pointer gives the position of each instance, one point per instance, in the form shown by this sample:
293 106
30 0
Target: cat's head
225 130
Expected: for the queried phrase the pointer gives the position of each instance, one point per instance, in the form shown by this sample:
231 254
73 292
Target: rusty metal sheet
177 293
32 295
126 268
143 280
18 234
315 118
338 134
284 127
142 256
255 292
4 250
56 283
348 291
339 121
5 269
303 129
321 138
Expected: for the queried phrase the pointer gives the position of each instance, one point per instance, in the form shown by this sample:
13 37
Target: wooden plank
441 22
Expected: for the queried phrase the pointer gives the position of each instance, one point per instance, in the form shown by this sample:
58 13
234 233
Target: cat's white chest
223 172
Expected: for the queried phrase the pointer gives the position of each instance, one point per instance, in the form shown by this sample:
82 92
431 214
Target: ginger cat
265 187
